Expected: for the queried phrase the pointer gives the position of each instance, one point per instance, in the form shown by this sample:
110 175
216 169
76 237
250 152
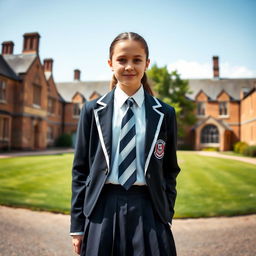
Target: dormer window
200 108
223 108
76 109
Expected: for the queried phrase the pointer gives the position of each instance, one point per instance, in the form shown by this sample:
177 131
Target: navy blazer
92 159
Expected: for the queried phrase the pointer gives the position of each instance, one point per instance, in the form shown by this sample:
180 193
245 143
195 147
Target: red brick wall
248 119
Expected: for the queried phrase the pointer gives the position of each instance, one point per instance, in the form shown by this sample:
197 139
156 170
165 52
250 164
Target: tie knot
130 102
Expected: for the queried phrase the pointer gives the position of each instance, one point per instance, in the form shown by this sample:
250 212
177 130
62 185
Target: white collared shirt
140 121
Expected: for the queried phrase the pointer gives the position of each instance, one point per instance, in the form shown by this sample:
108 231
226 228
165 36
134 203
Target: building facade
222 119
35 111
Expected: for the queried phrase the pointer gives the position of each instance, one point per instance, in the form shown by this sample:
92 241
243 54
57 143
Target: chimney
7 47
48 65
77 75
216 72
31 43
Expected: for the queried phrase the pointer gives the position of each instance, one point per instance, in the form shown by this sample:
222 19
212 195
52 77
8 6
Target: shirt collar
121 96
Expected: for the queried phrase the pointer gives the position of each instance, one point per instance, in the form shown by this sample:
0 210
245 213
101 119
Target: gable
94 95
223 96
78 98
201 96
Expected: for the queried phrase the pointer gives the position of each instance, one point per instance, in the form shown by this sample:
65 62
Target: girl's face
129 63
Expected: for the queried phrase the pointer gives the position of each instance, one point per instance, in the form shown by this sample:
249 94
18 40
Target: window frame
37 88
3 91
200 108
210 138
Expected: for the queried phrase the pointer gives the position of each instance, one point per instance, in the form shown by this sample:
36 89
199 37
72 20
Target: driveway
28 233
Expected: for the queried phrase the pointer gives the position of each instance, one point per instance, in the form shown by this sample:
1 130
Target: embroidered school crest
159 149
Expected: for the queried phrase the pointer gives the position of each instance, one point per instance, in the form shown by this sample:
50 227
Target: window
37 94
2 90
51 105
76 109
223 109
4 128
200 108
210 134
49 133
60 108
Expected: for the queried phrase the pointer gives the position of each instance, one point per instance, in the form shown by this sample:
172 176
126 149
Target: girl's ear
110 64
147 63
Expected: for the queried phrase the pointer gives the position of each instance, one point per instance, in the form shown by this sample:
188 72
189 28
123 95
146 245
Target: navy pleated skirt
124 223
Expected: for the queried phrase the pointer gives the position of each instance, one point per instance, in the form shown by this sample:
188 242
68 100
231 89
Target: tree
171 89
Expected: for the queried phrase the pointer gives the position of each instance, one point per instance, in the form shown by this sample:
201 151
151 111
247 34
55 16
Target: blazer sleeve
171 168
80 172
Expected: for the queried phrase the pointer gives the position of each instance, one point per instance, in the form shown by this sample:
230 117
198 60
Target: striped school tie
127 173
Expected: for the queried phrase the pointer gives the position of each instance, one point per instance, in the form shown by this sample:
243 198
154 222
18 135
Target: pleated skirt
124 223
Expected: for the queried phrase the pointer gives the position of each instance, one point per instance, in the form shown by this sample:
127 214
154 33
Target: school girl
125 166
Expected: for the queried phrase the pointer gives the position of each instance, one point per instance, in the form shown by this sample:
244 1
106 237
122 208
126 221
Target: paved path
250 160
54 151
29 233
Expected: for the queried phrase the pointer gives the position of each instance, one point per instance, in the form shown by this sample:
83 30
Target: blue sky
181 34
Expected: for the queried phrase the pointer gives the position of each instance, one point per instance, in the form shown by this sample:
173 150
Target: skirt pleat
124 223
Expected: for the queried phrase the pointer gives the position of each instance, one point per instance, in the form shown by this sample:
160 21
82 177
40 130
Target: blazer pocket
88 180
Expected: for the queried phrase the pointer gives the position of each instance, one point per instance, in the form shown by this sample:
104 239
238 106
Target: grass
207 186
37 182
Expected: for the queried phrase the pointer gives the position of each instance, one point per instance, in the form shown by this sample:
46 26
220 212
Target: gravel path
27 233
251 160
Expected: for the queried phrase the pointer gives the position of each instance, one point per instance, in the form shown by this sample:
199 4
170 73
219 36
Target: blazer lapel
154 119
103 116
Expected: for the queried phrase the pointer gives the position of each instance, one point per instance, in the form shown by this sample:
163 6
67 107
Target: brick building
222 118
35 111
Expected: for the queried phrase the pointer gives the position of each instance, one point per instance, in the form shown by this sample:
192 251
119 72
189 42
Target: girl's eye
121 60
137 60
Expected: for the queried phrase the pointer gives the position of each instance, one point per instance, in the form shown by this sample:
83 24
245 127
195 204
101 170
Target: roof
221 122
6 70
212 87
69 89
20 63
249 92
47 75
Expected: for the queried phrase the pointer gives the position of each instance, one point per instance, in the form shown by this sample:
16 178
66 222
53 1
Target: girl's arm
171 168
80 172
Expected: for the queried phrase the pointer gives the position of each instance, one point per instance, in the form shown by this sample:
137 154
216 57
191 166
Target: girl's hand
77 242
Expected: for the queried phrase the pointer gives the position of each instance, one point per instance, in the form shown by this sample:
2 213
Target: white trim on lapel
99 128
156 133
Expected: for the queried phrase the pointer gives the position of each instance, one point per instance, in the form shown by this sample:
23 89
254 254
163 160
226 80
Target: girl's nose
129 67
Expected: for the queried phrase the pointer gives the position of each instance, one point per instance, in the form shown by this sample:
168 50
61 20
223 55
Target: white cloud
193 69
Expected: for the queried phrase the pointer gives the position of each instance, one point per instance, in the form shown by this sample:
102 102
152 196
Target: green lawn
210 186
37 182
207 186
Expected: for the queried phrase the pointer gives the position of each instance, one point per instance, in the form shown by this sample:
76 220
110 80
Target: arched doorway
209 135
